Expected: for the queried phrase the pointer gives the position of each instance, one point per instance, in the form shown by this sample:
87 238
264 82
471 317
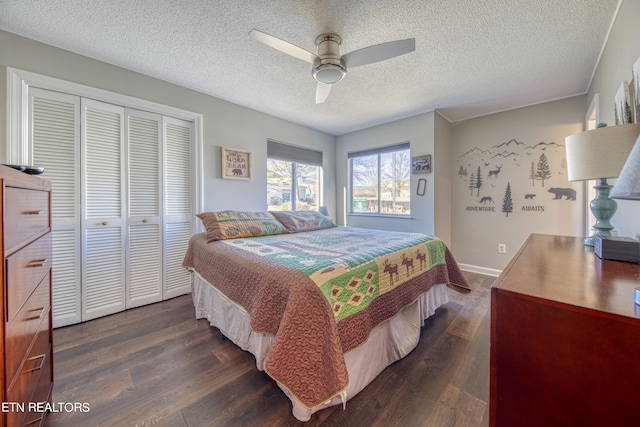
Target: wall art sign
236 164
421 164
537 172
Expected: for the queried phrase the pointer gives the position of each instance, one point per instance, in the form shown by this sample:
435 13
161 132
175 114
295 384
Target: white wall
420 132
621 52
478 227
443 159
224 123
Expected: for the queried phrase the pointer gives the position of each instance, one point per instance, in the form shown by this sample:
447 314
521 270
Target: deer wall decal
495 172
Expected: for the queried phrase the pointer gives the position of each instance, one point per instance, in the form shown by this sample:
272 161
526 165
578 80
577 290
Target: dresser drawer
42 391
25 270
32 384
26 213
21 330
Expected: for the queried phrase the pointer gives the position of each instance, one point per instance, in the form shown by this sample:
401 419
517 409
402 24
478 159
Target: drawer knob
104 223
37 263
36 368
144 220
42 311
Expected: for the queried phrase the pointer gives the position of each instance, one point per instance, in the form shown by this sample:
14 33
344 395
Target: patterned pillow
302 220
235 224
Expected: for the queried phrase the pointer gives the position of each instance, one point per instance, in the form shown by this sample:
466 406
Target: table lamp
600 154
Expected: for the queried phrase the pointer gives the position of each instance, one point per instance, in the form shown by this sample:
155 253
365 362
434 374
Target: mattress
387 343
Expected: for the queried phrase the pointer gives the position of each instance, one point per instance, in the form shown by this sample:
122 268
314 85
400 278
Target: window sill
377 215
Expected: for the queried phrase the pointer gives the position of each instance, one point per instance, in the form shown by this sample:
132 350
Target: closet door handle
32 212
144 220
103 223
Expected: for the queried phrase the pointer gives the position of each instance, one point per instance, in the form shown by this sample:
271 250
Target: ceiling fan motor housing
329 68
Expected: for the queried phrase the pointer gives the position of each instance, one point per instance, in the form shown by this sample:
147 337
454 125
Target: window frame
379 151
297 156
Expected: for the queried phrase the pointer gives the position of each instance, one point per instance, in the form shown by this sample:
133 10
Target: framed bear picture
421 164
236 164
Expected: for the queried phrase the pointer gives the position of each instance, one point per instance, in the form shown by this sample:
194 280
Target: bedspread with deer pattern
320 293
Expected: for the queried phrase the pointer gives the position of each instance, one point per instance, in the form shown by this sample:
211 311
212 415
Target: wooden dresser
26 334
565 338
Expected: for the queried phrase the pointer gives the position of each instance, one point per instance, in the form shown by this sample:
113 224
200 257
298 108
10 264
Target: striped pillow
236 224
303 220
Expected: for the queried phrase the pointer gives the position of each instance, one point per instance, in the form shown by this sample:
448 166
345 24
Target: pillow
303 220
235 224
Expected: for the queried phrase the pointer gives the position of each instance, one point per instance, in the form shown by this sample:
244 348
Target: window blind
292 153
380 150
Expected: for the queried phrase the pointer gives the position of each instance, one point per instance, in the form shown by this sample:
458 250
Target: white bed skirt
388 342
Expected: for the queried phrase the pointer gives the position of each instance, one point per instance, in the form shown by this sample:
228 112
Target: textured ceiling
473 57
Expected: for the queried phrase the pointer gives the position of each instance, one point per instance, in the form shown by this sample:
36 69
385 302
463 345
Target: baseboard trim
480 270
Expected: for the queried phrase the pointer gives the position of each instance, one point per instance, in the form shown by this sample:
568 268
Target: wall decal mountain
512 148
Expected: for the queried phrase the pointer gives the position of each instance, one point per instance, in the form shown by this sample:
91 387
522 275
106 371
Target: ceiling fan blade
379 52
283 46
322 92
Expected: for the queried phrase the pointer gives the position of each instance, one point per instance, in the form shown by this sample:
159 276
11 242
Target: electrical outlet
502 248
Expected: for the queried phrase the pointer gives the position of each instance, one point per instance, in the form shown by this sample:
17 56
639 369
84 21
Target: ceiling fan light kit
329 66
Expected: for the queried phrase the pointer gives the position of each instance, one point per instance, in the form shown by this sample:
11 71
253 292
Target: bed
323 308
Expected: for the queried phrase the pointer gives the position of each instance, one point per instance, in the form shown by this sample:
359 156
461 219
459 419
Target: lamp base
603 208
590 241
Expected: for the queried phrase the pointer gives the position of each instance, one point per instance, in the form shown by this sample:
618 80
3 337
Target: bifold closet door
122 202
103 209
55 145
144 222
178 140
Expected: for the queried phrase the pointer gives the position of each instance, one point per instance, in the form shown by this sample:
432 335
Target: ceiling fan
329 66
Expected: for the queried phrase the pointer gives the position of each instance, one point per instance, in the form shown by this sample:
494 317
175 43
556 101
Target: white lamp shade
628 184
599 153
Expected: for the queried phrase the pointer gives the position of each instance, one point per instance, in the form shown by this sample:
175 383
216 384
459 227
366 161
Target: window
293 177
380 180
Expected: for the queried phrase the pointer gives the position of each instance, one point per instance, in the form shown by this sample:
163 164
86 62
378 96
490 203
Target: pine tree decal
472 184
543 171
532 175
478 181
507 202
462 171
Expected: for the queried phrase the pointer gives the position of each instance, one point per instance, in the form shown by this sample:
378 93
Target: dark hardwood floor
158 366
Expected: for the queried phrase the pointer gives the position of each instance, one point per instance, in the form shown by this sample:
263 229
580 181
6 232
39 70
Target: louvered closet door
103 225
144 240
55 145
178 136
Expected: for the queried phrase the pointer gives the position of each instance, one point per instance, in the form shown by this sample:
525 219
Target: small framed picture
635 70
421 164
623 105
236 164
